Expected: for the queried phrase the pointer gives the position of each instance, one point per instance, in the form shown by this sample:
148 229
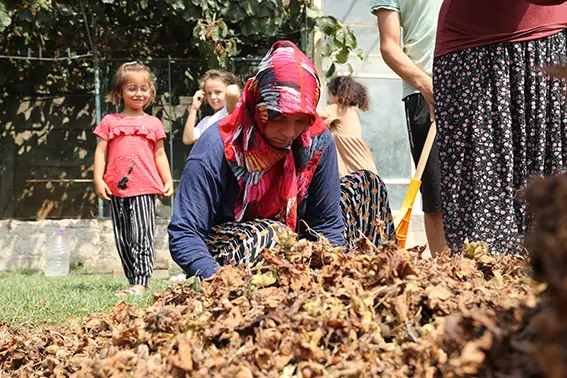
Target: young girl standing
131 149
346 98
221 92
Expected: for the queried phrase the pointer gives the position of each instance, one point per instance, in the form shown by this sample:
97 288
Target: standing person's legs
143 230
122 226
418 123
538 112
500 122
475 149
366 208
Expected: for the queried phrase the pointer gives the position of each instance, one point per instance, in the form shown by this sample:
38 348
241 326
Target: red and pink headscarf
272 180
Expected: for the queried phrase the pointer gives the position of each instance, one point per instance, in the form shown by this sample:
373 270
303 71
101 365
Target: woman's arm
102 190
192 219
189 129
323 213
195 207
162 165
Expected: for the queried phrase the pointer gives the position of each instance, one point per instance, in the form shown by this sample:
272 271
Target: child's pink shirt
131 140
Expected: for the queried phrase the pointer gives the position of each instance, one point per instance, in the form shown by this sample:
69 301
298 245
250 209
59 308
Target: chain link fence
47 145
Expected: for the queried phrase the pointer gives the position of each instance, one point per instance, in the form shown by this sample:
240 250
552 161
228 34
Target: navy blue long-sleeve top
208 190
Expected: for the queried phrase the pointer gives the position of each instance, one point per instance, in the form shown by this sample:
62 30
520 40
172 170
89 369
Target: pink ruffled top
131 143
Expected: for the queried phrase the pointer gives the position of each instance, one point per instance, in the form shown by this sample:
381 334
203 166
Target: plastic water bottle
57 261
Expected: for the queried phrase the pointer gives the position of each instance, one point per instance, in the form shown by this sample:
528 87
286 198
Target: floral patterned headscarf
272 180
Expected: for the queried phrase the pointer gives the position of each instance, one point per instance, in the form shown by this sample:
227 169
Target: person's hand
232 97
102 190
198 99
179 279
431 112
557 70
168 189
426 89
233 90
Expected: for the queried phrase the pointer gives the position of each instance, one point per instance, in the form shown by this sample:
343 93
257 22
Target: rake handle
426 150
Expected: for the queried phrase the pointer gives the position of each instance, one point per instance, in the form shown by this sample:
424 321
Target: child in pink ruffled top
130 168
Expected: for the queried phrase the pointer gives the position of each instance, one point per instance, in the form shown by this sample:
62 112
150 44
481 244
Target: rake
404 215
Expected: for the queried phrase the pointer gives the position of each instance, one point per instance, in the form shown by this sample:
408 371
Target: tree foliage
212 32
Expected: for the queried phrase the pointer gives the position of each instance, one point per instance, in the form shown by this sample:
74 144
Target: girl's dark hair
349 92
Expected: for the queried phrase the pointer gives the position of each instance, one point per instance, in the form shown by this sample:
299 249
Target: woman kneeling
271 164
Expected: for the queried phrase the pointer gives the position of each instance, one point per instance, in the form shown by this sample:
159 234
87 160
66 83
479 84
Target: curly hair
349 92
225 77
121 78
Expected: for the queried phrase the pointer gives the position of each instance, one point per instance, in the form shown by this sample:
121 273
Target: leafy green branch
339 45
211 32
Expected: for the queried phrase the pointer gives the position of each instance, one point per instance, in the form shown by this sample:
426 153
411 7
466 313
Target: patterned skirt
500 122
365 207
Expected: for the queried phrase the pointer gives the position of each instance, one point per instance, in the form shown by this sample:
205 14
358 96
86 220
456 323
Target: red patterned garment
274 181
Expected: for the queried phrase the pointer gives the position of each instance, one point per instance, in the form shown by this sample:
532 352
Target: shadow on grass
22 272
93 286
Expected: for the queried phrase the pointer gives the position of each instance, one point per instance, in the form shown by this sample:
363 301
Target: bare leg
435 233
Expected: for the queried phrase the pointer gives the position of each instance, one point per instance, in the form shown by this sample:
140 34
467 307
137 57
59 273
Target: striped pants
133 220
366 214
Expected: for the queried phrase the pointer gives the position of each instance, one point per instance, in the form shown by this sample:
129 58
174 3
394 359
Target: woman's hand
102 190
168 189
197 99
557 70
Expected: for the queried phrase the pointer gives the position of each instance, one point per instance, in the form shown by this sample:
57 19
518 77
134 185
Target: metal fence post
170 127
304 31
98 118
92 42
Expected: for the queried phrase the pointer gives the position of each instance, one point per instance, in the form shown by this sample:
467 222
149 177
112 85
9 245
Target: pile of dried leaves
310 310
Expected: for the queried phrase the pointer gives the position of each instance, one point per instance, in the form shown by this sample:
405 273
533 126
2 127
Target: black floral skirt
500 122
366 213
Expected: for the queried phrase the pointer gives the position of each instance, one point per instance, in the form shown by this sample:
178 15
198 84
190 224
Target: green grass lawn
36 299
